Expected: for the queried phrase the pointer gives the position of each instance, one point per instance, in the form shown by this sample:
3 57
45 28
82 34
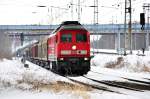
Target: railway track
113 84
147 79
107 83
93 86
105 86
129 79
101 85
98 87
99 52
124 85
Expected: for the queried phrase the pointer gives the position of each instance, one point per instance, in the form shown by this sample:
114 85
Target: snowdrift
13 73
129 63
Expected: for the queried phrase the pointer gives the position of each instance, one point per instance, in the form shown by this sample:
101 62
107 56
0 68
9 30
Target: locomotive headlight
74 47
61 59
86 59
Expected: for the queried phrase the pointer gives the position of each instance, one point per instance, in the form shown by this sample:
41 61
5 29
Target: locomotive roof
68 25
72 26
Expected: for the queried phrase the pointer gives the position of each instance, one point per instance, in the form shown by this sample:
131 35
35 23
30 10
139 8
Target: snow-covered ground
17 82
129 63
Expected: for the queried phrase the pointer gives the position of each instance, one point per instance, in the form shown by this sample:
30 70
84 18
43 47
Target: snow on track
13 72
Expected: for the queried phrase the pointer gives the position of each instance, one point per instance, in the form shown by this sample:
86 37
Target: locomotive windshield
66 37
81 37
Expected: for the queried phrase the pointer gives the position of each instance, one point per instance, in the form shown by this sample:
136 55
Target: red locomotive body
67 49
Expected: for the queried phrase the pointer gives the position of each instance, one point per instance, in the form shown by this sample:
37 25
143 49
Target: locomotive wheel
41 64
37 62
46 65
53 66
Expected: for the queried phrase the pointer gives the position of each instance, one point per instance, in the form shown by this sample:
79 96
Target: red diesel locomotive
66 50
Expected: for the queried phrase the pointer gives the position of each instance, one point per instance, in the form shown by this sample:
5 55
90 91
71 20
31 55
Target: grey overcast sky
27 12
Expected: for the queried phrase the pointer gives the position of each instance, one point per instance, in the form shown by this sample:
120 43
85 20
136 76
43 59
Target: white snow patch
18 94
131 63
13 73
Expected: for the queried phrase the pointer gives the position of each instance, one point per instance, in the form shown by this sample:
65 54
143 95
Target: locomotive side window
81 37
66 37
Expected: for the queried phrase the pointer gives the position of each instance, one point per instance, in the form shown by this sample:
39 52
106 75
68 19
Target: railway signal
142 20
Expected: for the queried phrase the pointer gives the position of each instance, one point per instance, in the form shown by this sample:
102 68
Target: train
66 50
